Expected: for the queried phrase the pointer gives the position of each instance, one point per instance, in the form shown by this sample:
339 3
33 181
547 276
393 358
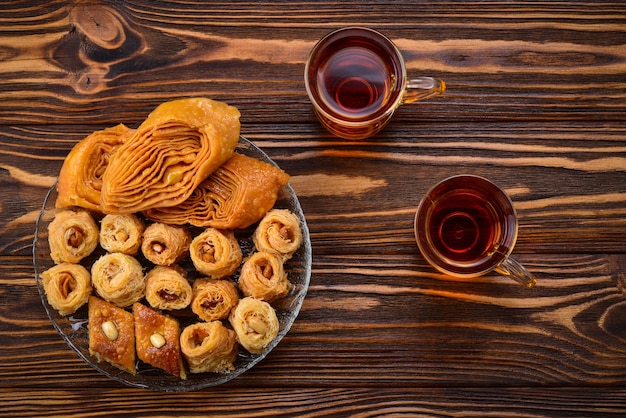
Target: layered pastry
157 340
167 288
80 179
255 323
178 145
213 299
215 253
121 233
164 244
235 196
278 232
67 287
209 347
111 334
263 277
118 278
72 235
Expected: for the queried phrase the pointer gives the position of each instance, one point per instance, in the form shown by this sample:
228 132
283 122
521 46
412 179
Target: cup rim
489 268
390 108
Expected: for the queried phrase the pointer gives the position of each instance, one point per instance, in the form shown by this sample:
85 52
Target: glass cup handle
517 272
421 88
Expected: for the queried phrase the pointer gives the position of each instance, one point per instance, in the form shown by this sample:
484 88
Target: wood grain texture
536 101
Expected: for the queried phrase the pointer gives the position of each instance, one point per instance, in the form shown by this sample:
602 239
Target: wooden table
536 102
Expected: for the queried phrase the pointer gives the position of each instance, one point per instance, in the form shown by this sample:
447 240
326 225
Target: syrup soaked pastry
157 340
121 233
215 253
118 278
235 196
164 244
278 232
72 235
170 154
255 323
213 299
67 287
263 277
167 288
111 334
80 179
209 347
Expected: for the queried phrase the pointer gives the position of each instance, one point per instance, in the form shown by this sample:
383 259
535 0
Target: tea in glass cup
356 78
466 226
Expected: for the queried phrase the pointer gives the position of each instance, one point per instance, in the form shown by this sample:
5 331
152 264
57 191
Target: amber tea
356 78
467 226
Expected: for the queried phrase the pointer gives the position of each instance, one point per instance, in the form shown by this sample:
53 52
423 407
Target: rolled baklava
278 232
164 244
263 277
67 287
209 347
255 323
72 235
167 288
213 299
121 233
215 253
118 278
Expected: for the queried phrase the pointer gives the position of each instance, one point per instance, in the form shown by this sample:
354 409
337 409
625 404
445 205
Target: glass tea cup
356 78
466 226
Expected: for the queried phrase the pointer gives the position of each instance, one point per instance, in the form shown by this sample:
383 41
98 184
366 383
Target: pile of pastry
171 191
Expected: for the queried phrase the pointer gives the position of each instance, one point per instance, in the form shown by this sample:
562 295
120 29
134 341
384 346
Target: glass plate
73 328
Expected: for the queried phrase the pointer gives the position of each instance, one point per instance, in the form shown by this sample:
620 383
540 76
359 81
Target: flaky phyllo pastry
157 340
263 277
167 288
67 287
170 154
80 179
235 196
112 334
215 253
118 278
165 245
209 347
278 232
72 235
255 323
213 299
121 233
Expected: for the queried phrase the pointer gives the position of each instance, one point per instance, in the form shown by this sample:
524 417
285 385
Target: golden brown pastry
215 253
209 347
278 232
255 323
72 235
157 340
80 179
118 278
179 144
164 244
121 233
111 334
235 196
67 287
263 277
213 299
167 288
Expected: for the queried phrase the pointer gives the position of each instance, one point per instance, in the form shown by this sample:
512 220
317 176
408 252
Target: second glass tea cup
356 78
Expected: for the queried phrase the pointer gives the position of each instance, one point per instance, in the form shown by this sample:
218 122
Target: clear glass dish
73 328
